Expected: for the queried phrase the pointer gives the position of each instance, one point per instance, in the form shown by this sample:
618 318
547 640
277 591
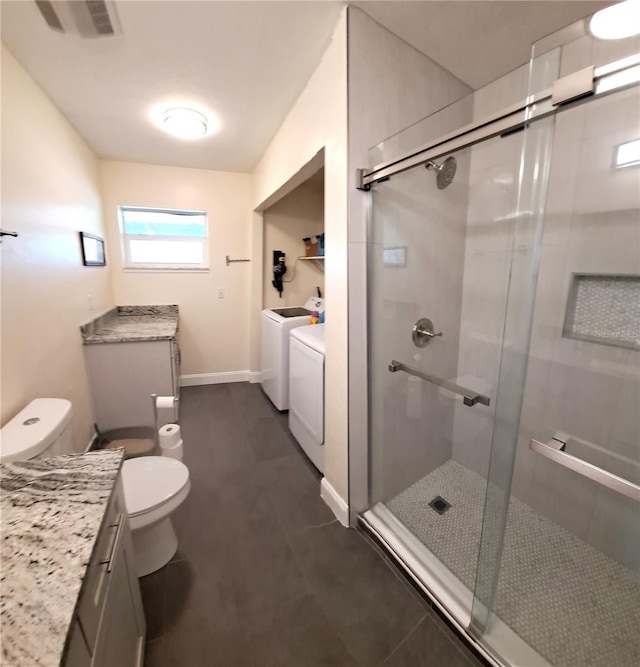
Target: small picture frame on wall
92 250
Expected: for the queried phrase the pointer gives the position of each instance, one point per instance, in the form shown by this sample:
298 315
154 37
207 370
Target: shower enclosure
504 357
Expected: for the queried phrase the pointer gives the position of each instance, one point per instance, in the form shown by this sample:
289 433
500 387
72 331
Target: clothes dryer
306 390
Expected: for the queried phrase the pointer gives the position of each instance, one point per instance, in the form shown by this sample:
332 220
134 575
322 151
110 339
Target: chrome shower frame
566 92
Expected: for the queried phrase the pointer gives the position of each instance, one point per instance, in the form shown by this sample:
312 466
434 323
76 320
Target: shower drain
439 504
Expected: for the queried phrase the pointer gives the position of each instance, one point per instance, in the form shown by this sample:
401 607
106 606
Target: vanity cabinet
78 651
110 627
121 634
124 375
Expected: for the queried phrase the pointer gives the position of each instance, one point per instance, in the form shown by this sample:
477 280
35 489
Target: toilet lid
149 481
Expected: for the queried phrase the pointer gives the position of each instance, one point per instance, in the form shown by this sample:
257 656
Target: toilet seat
154 486
153 481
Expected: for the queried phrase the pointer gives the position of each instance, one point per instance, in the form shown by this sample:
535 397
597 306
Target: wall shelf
317 261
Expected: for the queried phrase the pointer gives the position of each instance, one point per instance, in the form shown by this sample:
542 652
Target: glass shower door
567 572
505 452
440 264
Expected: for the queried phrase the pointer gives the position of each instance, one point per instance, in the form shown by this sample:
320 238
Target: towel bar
470 398
554 450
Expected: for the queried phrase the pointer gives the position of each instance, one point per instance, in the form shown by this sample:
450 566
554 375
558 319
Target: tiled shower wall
492 201
586 389
459 243
412 423
591 391
491 250
490 218
391 86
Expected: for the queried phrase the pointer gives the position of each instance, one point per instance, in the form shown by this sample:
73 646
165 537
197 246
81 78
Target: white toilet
154 486
41 429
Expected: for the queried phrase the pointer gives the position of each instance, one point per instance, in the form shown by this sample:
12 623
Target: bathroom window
163 239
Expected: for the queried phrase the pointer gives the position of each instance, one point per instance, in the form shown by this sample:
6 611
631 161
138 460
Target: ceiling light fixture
617 22
184 123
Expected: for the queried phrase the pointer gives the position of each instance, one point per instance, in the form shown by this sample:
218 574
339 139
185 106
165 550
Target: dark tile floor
264 574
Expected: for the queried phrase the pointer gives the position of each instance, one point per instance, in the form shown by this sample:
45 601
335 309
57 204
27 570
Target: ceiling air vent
85 18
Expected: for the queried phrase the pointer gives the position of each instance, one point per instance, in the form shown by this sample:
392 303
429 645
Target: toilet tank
41 429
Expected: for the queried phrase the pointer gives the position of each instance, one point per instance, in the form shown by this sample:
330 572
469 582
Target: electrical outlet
220 292
90 302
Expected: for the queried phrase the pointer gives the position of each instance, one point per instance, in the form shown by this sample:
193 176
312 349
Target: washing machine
306 390
276 324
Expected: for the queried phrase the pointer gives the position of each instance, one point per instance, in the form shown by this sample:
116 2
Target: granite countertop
130 324
52 511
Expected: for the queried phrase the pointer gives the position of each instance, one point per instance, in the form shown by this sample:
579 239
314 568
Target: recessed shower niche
605 309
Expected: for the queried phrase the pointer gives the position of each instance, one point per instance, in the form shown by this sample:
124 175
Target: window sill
129 269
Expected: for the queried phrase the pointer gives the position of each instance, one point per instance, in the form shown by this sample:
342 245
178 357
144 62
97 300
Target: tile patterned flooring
570 602
264 574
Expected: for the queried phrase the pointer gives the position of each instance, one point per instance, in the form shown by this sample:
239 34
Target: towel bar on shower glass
469 397
554 450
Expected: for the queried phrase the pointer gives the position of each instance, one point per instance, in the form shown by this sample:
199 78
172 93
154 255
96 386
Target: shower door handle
554 450
469 397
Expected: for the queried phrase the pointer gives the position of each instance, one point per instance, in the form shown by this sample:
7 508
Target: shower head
444 172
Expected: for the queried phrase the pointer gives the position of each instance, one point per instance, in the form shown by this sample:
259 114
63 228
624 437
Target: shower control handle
423 332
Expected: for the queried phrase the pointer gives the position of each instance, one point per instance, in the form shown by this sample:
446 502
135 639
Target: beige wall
286 223
318 120
49 193
213 332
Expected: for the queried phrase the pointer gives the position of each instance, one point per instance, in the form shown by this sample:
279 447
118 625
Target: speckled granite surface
129 324
51 513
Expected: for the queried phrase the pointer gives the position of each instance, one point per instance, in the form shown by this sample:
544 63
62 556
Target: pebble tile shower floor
567 600
264 574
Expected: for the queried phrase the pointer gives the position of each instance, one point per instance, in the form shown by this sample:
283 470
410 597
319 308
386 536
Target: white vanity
132 352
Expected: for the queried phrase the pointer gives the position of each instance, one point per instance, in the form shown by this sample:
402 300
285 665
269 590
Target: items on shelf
314 245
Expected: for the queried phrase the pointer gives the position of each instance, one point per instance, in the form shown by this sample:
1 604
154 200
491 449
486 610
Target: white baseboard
334 501
255 377
214 378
